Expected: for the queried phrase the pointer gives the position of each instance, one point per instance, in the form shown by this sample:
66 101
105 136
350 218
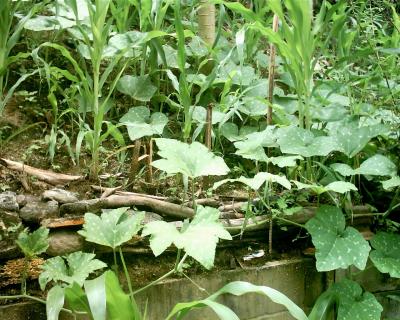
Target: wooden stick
271 72
134 162
149 176
50 177
208 127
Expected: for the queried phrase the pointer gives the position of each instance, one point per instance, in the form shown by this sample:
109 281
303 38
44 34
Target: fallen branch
44 175
126 200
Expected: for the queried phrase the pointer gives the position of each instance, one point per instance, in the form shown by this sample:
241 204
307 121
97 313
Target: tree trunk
207 22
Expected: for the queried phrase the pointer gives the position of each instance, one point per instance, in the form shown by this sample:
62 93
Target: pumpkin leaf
193 160
74 267
139 88
257 181
336 246
113 228
199 239
386 256
35 243
377 165
139 123
354 304
391 183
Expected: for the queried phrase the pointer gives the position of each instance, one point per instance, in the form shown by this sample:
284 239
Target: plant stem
195 284
25 296
169 273
128 278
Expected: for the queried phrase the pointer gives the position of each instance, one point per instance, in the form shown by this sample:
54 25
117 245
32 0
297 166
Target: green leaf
351 139
336 186
113 228
300 141
96 294
193 160
285 161
354 304
76 298
391 183
386 256
35 243
377 165
74 267
336 246
239 288
119 305
199 239
257 181
139 123
54 302
139 88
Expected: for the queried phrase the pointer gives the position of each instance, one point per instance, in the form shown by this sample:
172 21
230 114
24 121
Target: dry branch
44 175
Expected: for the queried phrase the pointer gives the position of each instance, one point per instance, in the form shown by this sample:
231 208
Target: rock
8 201
60 195
9 250
64 241
34 212
23 199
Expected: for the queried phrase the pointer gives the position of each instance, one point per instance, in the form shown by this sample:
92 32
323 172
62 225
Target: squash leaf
386 256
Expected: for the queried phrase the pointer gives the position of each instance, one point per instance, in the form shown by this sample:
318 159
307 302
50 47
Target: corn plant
10 32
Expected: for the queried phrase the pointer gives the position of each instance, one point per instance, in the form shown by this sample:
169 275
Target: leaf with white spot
336 186
139 123
377 165
198 240
139 88
295 140
74 267
113 228
285 161
351 139
391 183
354 304
336 246
386 256
193 160
257 181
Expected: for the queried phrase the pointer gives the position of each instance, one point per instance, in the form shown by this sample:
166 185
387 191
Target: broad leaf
139 123
336 246
257 181
75 267
295 140
193 160
113 228
285 161
35 243
231 131
351 139
336 186
96 294
76 298
54 302
119 305
139 88
354 304
386 256
391 183
239 288
377 165
199 239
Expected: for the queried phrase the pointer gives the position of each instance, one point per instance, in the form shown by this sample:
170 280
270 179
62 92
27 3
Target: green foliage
193 160
198 238
354 303
236 288
139 123
386 253
54 302
139 88
113 228
377 165
257 181
35 243
337 246
74 267
336 186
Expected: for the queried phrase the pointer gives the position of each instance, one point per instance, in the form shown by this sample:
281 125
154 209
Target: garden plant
289 103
